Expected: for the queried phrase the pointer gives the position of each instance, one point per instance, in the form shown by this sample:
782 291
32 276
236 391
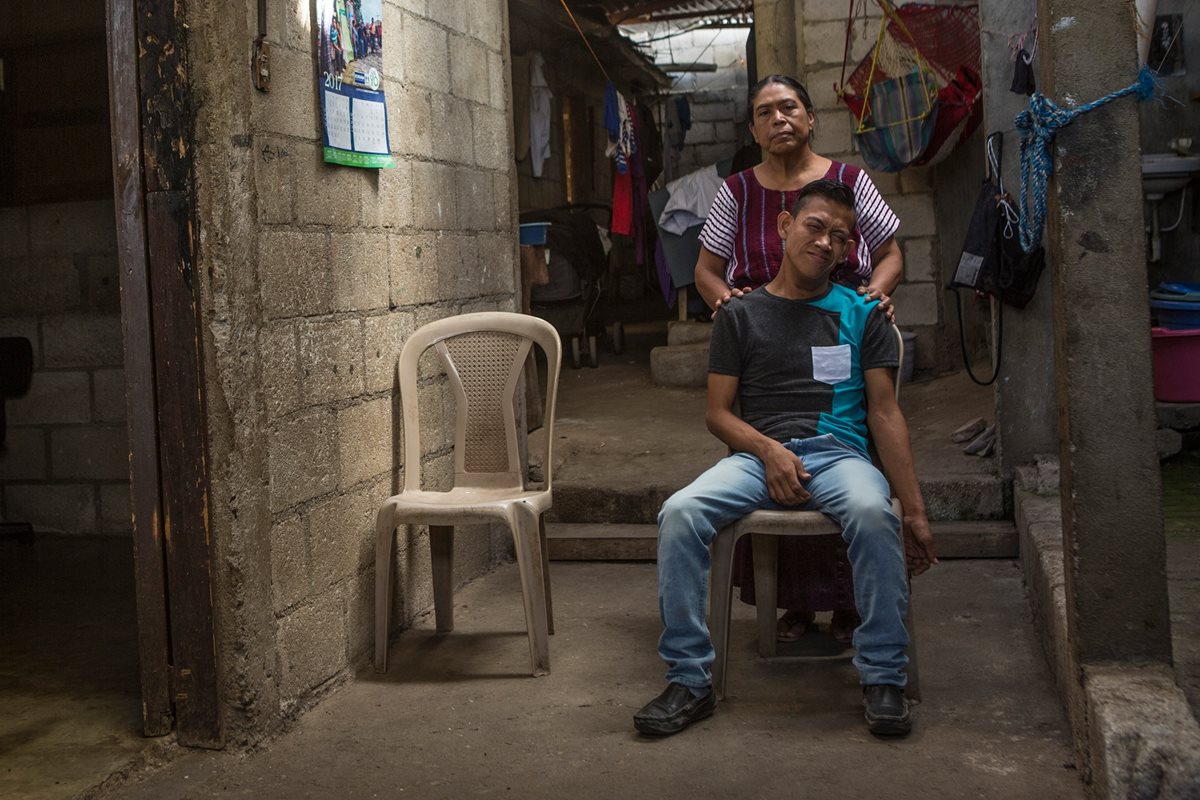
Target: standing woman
741 251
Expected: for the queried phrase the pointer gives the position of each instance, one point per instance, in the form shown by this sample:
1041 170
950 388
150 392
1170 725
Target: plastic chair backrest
484 354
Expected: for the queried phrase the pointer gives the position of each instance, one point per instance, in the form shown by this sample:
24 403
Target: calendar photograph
350 83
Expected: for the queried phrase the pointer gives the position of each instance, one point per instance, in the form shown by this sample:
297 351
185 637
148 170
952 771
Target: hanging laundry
622 203
679 121
618 121
691 198
650 143
520 71
539 113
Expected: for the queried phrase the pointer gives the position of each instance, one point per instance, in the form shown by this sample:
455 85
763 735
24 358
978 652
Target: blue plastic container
1176 305
534 232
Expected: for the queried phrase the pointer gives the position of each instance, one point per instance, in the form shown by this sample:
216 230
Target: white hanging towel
539 114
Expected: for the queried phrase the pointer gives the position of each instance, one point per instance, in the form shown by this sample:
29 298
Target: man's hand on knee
785 476
918 544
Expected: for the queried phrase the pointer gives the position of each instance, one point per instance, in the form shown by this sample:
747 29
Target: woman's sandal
843 623
792 625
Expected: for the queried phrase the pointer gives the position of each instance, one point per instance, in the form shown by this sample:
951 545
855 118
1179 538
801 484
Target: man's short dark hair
833 191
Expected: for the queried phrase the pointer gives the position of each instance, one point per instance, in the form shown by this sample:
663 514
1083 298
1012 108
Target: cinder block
53 397
496 262
14 231
919 262
312 642
492 141
453 16
339 536
23 455
367 446
469 67
116 515
413 267
383 338
437 209
301 456
916 304
410 119
825 43
822 10
290 582
275 166
452 120
26 328
916 179
702 133
486 23
297 24
680 365
359 271
476 209
108 395
504 184
720 111
387 201
87 227
820 84
360 614
293 271
280 377
99 283
40 284
688 332
328 194
834 134
499 76
916 212
437 417
426 53
888 183
291 108
459 276
89 453
82 340
67 508
331 360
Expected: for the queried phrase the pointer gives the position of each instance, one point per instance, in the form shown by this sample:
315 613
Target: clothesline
585 40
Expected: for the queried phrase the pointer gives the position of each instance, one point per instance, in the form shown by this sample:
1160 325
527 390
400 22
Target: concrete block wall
316 276
911 193
64 466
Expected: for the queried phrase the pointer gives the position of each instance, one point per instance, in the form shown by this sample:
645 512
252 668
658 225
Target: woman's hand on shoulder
729 294
870 293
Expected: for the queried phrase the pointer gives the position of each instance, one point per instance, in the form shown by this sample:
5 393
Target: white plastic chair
764 526
484 354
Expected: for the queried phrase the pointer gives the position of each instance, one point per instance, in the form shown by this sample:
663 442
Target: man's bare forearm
737 434
890 434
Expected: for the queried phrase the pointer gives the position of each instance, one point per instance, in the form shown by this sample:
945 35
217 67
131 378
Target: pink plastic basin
1176 365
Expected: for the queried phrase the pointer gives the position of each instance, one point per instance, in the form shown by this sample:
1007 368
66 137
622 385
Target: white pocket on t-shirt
831 364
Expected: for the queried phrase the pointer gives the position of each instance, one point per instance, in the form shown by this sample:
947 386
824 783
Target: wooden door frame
152 117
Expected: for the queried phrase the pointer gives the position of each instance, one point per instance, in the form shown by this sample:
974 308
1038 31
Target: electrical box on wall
262 64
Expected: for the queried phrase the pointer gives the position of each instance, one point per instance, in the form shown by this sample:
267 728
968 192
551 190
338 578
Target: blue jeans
848 488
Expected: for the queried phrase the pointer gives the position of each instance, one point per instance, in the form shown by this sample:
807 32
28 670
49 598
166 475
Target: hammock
915 96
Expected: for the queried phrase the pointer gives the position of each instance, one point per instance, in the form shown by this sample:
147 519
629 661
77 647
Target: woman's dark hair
786 80
833 191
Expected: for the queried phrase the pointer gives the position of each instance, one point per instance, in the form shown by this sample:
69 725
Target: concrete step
616 542
681 365
975 497
680 332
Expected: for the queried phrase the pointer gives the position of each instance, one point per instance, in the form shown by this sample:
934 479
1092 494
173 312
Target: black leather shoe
886 710
674 710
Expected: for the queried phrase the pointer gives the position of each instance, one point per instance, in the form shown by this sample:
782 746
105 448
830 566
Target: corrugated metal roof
631 12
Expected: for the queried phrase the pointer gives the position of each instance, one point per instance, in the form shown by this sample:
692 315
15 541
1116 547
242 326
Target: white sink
1165 172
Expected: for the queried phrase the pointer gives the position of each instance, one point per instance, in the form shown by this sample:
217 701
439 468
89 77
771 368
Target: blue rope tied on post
1038 125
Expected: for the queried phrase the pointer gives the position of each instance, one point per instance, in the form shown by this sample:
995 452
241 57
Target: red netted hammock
916 96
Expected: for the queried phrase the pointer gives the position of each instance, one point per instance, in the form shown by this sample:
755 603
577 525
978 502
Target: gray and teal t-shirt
800 363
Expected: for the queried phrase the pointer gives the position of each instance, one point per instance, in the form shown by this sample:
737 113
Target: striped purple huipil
814 573
741 227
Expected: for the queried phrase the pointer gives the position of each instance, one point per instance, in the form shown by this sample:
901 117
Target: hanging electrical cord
583 36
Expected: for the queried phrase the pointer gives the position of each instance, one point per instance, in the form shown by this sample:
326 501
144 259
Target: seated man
812 365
